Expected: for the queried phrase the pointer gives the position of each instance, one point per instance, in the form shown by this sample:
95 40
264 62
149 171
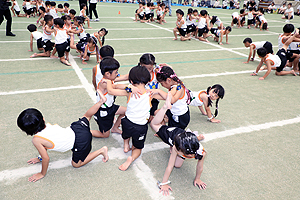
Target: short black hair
60 5
179 11
72 11
251 8
242 11
65 17
79 19
247 40
147 59
235 20
109 64
228 28
262 52
66 5
190 10
203 12
195 11
82 5
288 28
42 9
106 50
60 22
139 74
47 3
31 121
31 28
52 3
48 18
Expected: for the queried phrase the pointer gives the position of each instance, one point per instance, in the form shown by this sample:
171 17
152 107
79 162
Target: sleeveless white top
275 60
294 46
16 6
138 110
61 36
180 106
153 83
280 42
258 45
82 34
46 35
202 23
62 139
53 12
37 35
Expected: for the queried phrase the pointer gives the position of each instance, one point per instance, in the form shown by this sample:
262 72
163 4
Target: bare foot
33 55
126 164
53 56
84 62
200 137
126 149
116 130
293 72
89 27
175 39
105 154
155 135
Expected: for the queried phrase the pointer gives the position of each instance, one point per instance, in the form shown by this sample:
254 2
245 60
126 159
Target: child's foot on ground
105 154
126 164
84 62
126 149
200 137
116 130
175 39
53 57
66 63
89 27
293 72
33 55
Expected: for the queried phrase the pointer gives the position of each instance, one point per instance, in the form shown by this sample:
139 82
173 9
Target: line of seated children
282 8
256 45
145 12
276 62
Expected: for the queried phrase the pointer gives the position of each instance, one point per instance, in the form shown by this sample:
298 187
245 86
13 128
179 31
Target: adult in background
5 12
80 3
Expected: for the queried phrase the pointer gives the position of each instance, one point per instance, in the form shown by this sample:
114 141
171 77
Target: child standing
82 14
183 144
205 98
77 138
35 35
256 45
180 26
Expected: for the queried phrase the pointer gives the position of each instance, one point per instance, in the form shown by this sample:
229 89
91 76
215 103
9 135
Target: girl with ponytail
87 49
206 98
100 36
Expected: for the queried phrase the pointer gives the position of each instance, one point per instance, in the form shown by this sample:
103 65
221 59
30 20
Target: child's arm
165 188
227 38
122 78
176 94
94 78
210 117
50 30
90 113
12 9
112 90
31 42
268 63
221 38
257 68
199 169
158 94
207 23
250 54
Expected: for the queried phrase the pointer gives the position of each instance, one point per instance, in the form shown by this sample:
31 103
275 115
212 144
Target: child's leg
134 155
64 61
88 22
45 54
175 30
126 145
184 38
282 73
103 151
121 112
53 54
178 162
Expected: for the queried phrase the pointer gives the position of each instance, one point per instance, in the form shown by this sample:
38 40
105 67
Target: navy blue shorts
105 117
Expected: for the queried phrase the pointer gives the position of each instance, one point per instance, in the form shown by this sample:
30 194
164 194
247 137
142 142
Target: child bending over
87 49
100 36
76 137
220 33
256 45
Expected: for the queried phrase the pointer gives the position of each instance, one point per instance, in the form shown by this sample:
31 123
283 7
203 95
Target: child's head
147 60
203 13
92 42
67 19
78 20
251 9
66 5
288 28
103 32
107 51
47 3
60 5
235 20
242 11
52 4
148 4
179 13
261 10
215 92
31 121
72 13
31 28
247 42
167 77
227 29
109 67
83 6
289 5
262 52
187 143
42 10
139 75
48 20
59 22
195 12
190 11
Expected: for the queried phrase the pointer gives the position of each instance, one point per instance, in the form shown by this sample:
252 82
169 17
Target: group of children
145 12
143 95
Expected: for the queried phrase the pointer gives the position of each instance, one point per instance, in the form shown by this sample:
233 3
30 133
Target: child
66 9
93 8
61 41
215 92
134 124
183 144
79 30
72 14
256 45
100 34
147 11
288 13
180 26
220 33
53 11
46 39
203 26
251 20
216 20
28 8
277 61
179 114
16 9
68 28
159 14
287 31
82 13
262 20
40 21
36 35
88 48
77 138
190 22
139 13
105 115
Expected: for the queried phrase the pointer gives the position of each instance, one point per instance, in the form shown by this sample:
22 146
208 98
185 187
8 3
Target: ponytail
219 90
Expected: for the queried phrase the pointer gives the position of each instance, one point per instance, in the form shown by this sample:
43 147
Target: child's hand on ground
33 161
30 50
165 189
213 120
36 177
200 184
261 78
246 62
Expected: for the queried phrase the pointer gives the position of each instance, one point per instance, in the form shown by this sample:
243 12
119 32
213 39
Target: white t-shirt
289 10
93 1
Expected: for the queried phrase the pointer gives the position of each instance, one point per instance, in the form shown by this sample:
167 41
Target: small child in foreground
183 144
77 138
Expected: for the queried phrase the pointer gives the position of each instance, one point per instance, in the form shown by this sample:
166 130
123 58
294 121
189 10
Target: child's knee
76 165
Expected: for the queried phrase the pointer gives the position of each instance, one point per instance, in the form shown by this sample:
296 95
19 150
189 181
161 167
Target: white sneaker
287 21
91 20
97 20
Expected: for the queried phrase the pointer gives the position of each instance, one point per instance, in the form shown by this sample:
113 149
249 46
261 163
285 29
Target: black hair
138 75
219 90
66 5
60 5
179 11
59 22
79 19
48 18
82 5
235 20
242 11
228 28
148 4
65 17
288 28
195 10
31 121
42 9
290 4
190 11
262 52
247 40
72 11
265 26
186 142
103 37
203 12
47 3
31 28
106 51
94 41
251 8
143 3
163 4
52 3
167 72
109 64
147 59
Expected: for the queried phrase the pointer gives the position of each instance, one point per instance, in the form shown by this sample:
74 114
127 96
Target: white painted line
216 74
40 90
109 29
23 59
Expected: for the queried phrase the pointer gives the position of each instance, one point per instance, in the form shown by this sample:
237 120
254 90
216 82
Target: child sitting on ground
256 45
205 98
180 26
35 35
77 138
203 26
220 33
277 61
183 144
